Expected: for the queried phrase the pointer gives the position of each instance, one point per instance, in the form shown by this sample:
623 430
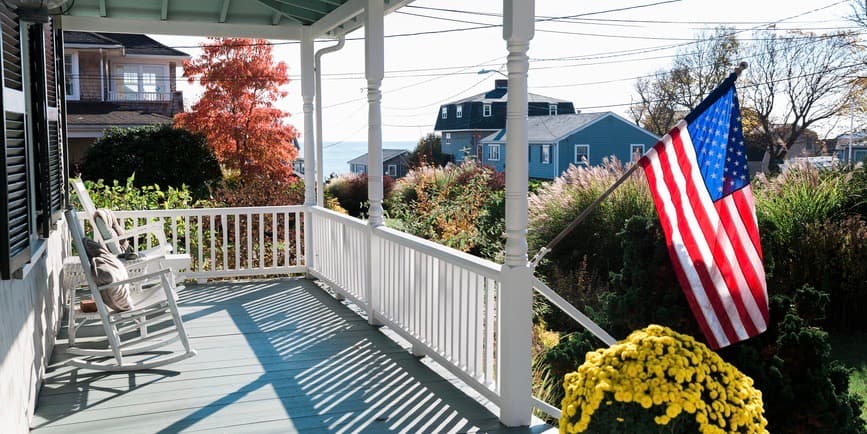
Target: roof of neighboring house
135 44
501 95
387 154
108 114
549 129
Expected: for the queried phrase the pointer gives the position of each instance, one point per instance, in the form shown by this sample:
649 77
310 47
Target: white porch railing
231 242
441 300
114 95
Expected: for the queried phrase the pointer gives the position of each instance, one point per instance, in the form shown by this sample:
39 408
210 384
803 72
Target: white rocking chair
176 261
154 304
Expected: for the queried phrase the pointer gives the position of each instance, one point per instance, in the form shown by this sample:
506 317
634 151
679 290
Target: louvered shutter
14 179
46 130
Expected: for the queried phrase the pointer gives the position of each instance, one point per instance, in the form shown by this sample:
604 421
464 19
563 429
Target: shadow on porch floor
276 355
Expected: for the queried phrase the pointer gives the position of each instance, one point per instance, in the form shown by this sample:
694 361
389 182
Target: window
141 83
493 152
70 66
582 155
486 110
391 170
552 109
636 151
546 154
460 112
448 136
859 155
445 113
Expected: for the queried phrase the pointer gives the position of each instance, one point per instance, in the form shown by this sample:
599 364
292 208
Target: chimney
501 84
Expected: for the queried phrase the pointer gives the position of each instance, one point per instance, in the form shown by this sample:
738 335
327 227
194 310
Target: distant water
335 156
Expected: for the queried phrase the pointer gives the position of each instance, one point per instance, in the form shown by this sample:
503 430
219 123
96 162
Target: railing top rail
572 311
352 221
208 211
481 266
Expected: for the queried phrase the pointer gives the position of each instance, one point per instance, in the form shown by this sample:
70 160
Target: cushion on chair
109 227
107 269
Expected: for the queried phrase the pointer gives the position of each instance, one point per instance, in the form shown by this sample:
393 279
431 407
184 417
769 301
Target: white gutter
317 69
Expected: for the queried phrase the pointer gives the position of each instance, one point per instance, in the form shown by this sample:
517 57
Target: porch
273 355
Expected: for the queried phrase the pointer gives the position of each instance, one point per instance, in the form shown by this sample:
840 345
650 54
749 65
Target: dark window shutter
15 233
11 50
14 171
39 125
50 75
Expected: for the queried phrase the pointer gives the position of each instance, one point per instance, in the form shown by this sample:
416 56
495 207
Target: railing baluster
224 228
298 254
236 245
261 240
213 233
249 241
174 234
135 239
187 234
201 257
286 239
274 239
490 328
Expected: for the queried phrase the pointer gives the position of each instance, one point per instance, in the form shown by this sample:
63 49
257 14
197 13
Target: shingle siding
608 136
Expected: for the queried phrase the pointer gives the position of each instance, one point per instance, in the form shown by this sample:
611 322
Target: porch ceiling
272 19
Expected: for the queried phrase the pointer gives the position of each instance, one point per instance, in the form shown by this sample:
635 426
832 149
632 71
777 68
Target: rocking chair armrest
146 276
153 228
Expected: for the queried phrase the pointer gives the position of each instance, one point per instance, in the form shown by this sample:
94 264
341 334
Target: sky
592 60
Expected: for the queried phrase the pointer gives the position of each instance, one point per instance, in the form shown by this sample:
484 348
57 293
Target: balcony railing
443 301
230 242
114 95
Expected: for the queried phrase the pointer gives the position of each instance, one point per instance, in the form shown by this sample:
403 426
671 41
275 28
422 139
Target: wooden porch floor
277 355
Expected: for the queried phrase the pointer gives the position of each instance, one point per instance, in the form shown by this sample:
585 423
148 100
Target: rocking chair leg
173 308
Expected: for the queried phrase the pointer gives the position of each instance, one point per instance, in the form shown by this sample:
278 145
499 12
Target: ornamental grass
658 380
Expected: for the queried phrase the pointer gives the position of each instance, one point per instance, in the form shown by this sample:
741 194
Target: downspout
317 70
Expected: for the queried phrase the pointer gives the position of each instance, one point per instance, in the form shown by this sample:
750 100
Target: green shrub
157 155
350 190
460 206
128 196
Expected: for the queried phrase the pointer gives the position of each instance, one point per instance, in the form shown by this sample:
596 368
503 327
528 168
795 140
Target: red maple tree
236 111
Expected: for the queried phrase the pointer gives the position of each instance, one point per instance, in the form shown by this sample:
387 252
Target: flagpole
590 208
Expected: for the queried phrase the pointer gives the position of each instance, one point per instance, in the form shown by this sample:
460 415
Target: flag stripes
713 245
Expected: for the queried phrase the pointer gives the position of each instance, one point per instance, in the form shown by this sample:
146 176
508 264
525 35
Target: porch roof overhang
269 19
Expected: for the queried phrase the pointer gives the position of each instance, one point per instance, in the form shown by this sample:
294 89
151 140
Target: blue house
465 122
582 139
395 163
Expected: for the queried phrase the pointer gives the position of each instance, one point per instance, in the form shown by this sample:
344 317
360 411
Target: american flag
700 183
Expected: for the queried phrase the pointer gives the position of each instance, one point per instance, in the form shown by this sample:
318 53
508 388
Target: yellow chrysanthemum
657 367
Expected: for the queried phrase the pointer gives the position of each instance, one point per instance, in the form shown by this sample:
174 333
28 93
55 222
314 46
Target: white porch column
374 67
515 301
307 94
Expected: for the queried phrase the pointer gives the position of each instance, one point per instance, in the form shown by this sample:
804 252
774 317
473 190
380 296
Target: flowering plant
658 380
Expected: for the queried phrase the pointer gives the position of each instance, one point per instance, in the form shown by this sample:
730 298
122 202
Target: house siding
537 169
461 140
89 81
30 315
500 164
608 136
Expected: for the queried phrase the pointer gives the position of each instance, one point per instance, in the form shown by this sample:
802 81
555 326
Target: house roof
387 154
549 129
500 94
134 44
107 114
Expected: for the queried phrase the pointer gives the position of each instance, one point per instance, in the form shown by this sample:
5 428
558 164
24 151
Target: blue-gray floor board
277 355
